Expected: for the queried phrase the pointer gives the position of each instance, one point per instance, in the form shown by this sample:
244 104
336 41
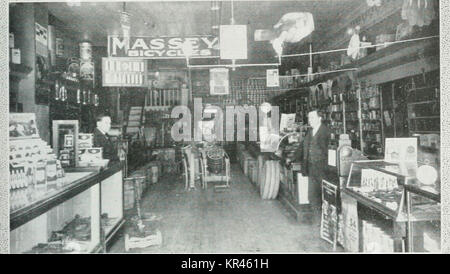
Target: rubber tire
262 180
272 180
260 169
267 179
276 187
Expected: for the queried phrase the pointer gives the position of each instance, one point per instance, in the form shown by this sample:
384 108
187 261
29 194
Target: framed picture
23 126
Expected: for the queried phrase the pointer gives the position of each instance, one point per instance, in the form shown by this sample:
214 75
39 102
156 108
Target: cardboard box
85 140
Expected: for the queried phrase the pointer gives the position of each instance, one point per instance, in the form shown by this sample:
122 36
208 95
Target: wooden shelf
421 88
423 102
425 117
425 131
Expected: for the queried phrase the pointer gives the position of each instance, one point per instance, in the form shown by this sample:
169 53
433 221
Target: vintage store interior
121 138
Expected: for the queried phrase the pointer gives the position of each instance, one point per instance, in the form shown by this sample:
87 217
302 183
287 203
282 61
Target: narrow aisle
234 221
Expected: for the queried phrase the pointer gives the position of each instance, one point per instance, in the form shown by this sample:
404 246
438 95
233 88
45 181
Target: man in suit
314 157
101 138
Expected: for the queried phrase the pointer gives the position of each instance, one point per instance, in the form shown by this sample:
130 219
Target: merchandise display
376 238
374 181
371 122
327 113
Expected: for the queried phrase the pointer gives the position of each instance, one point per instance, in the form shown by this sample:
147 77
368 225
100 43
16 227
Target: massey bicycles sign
162 47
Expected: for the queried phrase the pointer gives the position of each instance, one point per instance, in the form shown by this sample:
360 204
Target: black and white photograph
236 127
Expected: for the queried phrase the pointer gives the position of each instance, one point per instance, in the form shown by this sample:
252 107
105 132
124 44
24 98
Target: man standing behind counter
315 157
101 138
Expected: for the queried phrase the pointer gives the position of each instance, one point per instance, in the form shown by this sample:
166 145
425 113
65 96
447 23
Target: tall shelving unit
371 110
424 110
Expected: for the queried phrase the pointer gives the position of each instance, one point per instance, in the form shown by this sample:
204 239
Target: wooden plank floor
234 221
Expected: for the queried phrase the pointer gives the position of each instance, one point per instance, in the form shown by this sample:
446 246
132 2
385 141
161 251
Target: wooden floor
235 221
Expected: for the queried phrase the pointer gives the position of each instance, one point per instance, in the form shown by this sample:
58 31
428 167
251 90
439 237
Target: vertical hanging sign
233 42
219 82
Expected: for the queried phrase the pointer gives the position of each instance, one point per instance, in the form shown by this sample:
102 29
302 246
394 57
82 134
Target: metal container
86 51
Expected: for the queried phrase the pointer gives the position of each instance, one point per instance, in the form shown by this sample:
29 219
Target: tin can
85 51
154 173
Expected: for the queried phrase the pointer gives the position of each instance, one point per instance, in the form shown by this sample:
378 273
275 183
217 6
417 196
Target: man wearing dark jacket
314 157
101 138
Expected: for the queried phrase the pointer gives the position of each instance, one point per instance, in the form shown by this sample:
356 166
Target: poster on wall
41 34
219 82
272 78
22 126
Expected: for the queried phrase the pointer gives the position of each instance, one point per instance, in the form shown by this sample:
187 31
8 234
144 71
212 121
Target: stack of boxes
377 238
33 167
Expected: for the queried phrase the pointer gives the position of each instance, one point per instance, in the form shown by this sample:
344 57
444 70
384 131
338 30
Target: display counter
86 207
393 192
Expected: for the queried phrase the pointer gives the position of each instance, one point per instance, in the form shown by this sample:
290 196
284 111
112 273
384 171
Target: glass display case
78 215
380 185
398 192
423 209
61 220
111 206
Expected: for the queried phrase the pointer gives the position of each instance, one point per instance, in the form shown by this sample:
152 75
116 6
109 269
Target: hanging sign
272 78
233 42
219 82
328 225
162 47
123 72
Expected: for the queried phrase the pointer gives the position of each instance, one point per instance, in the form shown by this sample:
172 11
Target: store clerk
102 139
314 157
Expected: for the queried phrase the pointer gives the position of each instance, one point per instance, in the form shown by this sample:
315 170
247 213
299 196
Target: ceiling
94 21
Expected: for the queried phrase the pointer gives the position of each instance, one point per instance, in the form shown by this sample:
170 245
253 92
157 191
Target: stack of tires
248 159
269 179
